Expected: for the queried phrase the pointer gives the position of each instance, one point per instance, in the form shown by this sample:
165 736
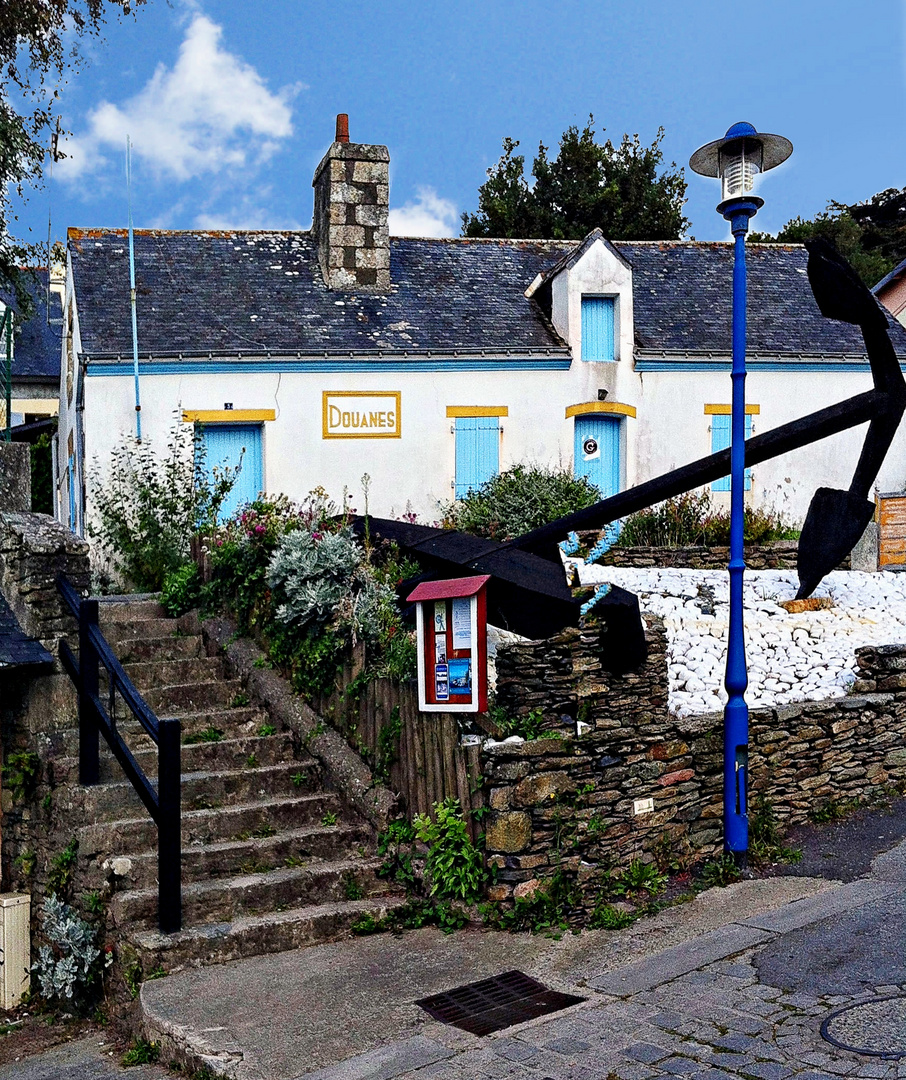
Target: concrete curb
349 773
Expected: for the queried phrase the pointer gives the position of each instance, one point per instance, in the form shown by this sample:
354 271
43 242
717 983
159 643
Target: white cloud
210 113
427 215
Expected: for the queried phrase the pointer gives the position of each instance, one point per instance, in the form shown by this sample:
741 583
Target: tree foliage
39 44
587 185
870 234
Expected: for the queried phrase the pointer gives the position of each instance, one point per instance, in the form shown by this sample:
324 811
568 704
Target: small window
477 451
598 324
720 440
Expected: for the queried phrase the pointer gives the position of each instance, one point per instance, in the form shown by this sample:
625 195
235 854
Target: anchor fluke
833 525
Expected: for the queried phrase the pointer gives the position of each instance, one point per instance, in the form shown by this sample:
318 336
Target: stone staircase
272 857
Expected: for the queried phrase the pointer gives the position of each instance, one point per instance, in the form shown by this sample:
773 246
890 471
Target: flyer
441 682
461 676
440 650
440 616
462 623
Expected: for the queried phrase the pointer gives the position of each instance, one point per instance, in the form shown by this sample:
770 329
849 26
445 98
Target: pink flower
259 528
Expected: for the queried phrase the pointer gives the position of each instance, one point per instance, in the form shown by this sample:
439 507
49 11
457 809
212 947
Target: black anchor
528 592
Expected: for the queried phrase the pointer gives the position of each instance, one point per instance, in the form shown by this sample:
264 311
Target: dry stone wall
36 710
779 555
569 801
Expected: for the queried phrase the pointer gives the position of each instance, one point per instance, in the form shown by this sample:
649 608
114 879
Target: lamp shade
742 139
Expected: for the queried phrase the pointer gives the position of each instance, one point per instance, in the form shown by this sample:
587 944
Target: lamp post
737 159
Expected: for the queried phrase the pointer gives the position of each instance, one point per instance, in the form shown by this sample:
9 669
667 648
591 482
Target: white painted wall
674 430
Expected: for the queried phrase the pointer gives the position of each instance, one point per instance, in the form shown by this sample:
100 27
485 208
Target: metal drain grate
876 1027
493 1004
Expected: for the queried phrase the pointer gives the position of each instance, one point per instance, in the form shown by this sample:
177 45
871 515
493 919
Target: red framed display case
452 631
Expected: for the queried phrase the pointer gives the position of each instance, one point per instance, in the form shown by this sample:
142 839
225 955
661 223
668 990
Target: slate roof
17 650
232 292
682 289
250 292
888 278
36 350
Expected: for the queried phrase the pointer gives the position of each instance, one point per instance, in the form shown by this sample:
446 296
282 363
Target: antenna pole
138 398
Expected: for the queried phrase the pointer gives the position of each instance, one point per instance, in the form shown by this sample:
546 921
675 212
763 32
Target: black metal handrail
162 802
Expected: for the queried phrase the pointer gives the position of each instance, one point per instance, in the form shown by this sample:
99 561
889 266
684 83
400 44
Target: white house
431 364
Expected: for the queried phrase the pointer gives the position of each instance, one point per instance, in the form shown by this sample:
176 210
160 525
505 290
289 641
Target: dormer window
598 328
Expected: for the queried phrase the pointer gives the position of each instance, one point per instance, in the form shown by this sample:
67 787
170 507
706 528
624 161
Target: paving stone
567 1046
646 1052
679 1066
824 905
769 1070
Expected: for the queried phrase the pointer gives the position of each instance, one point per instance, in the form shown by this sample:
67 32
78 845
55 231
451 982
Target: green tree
587 185
871 235
39 44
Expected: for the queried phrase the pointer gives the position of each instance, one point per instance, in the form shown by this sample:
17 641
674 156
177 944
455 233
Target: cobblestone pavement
746 1000
735 984
715 1022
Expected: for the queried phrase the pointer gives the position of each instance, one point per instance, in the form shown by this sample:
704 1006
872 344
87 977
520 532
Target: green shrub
149 507
181 590
70 963
455 867
518 500
689 520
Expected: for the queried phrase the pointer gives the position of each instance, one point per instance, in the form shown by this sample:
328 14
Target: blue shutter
477 451
598 328
720 440
225 446
603 469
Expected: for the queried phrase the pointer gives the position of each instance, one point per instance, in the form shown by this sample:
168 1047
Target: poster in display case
452 644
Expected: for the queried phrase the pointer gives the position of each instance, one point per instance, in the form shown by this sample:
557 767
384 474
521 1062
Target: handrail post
88 688
169 841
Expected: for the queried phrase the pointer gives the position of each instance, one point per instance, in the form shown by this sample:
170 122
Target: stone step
127 629
144 649
234 723
257 935
315 843
196 757
200 790
264 817
225 899
191 698
113 609
158 673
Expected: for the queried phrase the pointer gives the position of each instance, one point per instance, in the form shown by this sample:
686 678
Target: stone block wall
34 550
15 476
570 801
779 555
36 709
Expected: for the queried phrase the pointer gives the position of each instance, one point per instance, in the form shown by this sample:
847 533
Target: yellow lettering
334 418
375 420
382 419
347 421
391 419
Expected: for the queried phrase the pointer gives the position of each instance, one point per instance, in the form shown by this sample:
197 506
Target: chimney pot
342 127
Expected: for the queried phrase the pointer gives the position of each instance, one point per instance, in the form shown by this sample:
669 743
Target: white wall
674 430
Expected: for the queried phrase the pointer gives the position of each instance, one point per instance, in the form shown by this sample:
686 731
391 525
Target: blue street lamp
737 159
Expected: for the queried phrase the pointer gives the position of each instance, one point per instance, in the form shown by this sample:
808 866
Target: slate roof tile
232 292
36 350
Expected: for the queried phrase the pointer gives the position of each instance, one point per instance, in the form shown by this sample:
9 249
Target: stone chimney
352 199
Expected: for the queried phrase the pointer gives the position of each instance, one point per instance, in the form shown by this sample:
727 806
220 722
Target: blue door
229 445
597 452
598 328
477 451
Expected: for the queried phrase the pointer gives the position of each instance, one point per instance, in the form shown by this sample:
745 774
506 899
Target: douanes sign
348 414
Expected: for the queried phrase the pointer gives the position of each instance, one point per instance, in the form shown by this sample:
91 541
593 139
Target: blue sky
230 104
